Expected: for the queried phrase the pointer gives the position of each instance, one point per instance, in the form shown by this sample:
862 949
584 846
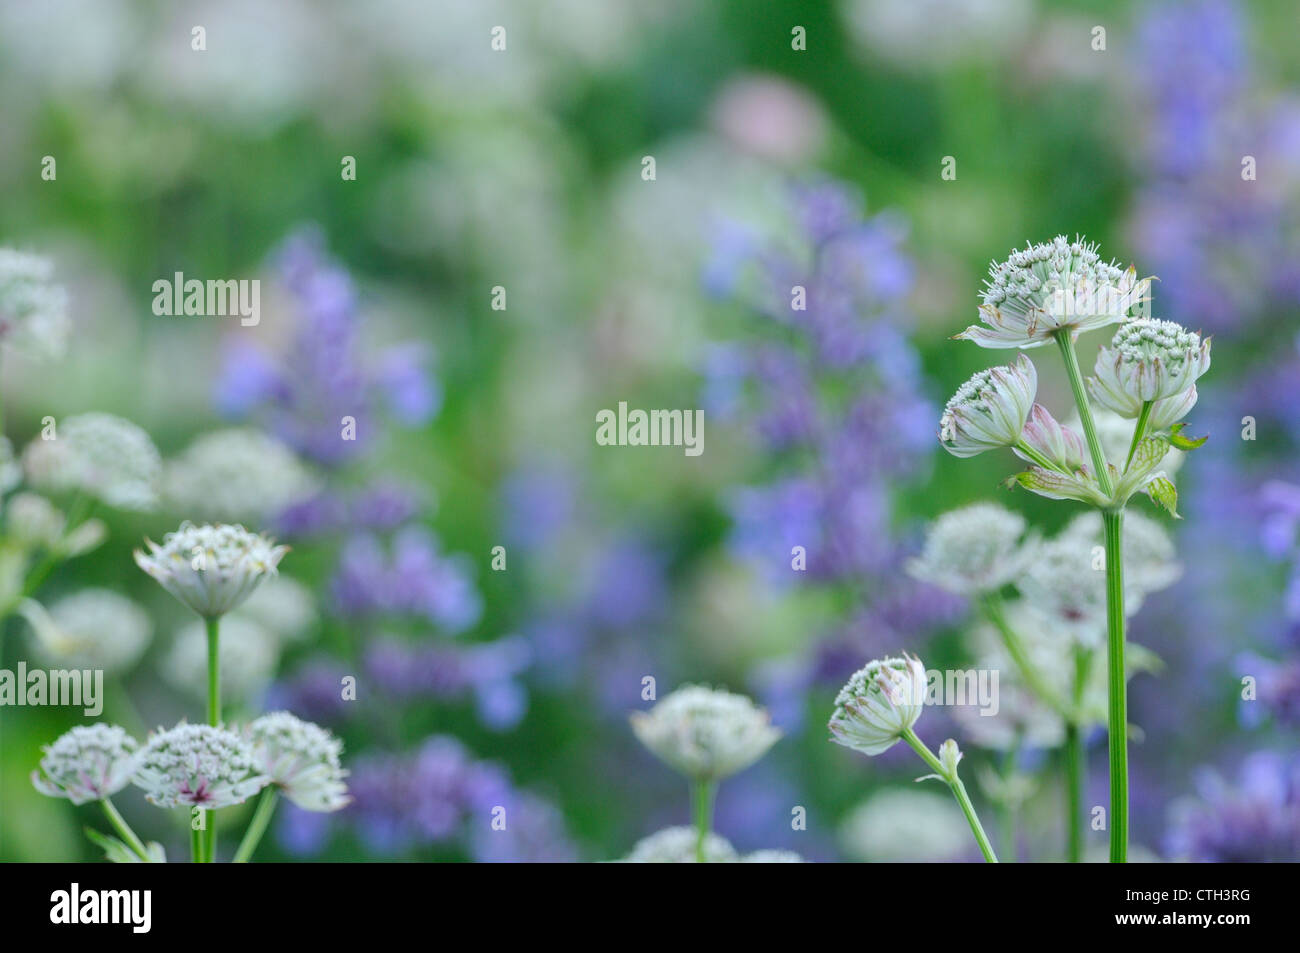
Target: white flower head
236 474
1051 439
881 700
211 568
11 471
247 655
704 733
1050 287
34 521
1149 360
989 410
92 628
905 826
102 455
88 763
301 759
33 310
1150 557
974 549
198 766
676 845
772 857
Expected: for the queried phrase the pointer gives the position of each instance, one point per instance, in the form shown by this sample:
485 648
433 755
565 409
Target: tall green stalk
214 719
257 826
1075 765
1117 713
1085 411
702 807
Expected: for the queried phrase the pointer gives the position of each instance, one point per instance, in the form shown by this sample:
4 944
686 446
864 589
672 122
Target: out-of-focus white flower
11 471
301 759
704 733
33 310
1116 434
211 568
1150 557
198 766
34 521
989 410
973 549
88 763
101 455
1048 438
93 628
950 756
905 33
676 845
1149 360
237 474
247 655
881 700
1051 287
282 606
770 117
772 857
895 826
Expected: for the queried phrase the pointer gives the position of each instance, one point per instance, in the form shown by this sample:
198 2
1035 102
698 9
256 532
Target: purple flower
1256 819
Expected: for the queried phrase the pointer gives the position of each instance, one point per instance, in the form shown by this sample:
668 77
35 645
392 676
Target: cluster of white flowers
1150 360
301 759
914 826
881 701
990 410
101 455
211 568
92 628
88 763
33 521
198 766
705 734
33 310
236 474
974 549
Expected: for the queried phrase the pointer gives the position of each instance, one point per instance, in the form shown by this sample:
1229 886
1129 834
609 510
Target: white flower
247 655
198 766
1048 438
705 733
33 310
11 471
211 568
34 521
92 628
772 857
101 455
1150 558
1149 360
989 410
1050 287
972 550
282 606
301 759
237 474
88 763
676 845
880 701
912 826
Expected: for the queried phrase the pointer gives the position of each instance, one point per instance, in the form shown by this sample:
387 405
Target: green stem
702 807
124 829
1066 344
1038 458
1117 715
196 845
1139 431
257 826
1016 649
1075 765
958 791
214 719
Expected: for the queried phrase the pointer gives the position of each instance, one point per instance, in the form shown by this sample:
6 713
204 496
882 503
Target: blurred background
523 170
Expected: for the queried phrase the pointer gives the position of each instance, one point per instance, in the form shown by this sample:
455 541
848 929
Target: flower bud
1051 439
990 409
1148 360
880 702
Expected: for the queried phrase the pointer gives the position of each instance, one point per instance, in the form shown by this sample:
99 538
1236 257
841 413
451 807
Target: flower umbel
211 568
301 759
1149 360
198 766
33 310
704 733
88 763
880 702
971 550
989 411
102 455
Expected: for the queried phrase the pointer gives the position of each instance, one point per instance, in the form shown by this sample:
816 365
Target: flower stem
124 829
958 791
1075 766
196 846
702 805
1085 411
1117 720
1139 431
257 826
1038 458
214 719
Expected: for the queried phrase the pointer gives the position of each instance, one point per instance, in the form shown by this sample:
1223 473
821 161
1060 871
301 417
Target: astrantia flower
33 310
971 550
676 845
301 759
880 701
1151 360
912 826
1052 286
211 568
88 763
989 411
93 628
237 474
1150 558
198 766
1048 438
705 733
101 455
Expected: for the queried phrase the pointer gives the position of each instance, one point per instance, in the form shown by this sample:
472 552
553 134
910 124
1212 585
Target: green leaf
117 852
1059 486
1178 441
1164 495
